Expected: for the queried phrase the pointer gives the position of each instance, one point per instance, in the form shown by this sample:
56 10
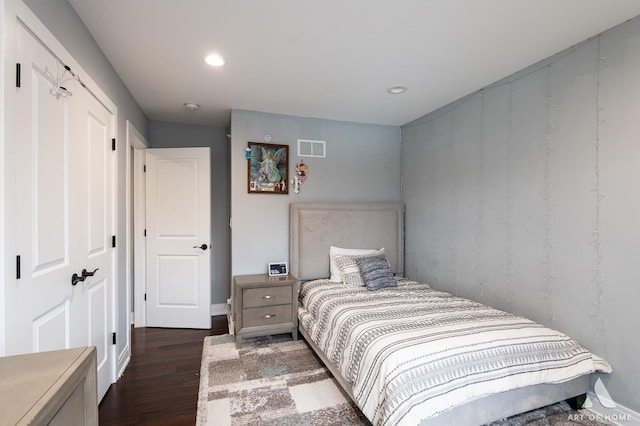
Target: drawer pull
269 316
267 297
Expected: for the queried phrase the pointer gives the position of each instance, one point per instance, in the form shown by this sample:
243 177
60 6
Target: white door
62 203
178 238
92 224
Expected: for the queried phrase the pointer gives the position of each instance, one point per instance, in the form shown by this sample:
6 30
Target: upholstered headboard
313 227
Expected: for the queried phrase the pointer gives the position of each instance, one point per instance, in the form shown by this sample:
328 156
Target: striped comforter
412 352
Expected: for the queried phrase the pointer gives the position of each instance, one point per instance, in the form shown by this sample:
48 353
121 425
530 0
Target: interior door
178 237
61 206
91 217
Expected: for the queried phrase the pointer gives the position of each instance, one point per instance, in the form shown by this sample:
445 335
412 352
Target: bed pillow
376 272
349 270
336 273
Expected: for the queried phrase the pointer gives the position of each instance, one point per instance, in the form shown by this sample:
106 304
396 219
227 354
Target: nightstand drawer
268 315
266 296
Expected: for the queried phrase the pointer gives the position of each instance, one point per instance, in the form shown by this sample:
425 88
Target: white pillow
336 274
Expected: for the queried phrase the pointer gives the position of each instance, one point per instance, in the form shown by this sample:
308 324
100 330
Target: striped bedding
412 352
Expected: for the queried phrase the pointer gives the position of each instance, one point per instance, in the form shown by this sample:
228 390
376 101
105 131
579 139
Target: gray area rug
276 381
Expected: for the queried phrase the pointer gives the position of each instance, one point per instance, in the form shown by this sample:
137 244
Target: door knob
203 247
86 273
75 279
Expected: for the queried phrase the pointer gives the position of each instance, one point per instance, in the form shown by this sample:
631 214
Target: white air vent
311 148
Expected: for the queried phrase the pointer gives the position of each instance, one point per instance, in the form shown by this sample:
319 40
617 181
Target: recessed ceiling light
396 90
215 60
190 106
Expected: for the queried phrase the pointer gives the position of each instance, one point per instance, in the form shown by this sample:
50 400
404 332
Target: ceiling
332 59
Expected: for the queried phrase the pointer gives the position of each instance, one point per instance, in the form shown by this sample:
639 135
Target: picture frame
267 168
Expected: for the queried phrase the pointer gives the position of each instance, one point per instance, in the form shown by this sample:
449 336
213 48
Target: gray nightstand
265 305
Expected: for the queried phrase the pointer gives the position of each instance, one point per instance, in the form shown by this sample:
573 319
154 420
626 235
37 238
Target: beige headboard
313 227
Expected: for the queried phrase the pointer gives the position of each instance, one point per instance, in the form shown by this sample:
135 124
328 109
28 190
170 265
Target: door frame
136 145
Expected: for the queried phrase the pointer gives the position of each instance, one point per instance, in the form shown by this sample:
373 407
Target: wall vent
312 148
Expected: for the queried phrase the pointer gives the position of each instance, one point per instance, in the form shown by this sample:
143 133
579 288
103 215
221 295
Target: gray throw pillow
376 272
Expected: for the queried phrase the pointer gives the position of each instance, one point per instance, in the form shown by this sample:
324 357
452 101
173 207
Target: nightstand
265 305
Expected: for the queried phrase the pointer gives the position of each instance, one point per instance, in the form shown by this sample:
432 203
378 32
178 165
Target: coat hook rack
59 81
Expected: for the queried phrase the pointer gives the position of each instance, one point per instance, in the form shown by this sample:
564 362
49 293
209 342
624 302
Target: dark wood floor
160 384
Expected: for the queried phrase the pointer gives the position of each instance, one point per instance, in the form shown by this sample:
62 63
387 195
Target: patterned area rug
276 381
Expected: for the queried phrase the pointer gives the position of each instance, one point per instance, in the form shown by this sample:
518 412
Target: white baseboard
123 362
219 309
619 415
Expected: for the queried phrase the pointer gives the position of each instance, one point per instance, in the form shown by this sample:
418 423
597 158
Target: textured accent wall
526 196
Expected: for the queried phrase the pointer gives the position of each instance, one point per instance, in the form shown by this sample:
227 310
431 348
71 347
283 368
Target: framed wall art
268 168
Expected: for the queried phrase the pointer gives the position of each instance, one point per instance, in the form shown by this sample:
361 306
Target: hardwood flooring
160 384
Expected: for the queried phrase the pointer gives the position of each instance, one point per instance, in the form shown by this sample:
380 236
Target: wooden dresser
49 388
265 305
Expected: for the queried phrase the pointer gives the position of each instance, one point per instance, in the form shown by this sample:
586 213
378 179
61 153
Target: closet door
91 226
61 203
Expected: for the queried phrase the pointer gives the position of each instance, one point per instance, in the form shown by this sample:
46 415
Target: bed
452 361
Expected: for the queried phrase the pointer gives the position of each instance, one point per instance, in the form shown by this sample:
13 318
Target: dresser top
27 381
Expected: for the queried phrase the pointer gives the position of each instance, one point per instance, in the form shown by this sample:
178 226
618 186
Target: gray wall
362 164
525 196
63 22
170 135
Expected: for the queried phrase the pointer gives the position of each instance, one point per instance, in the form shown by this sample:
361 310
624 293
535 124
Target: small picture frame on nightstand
278 269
